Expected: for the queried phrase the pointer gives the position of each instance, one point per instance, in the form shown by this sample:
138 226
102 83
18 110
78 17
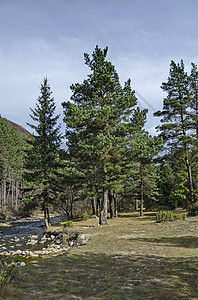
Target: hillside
19 128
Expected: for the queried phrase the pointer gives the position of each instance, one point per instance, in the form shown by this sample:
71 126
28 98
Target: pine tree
144 149
42 156
193 78
96 121
11 165
175 116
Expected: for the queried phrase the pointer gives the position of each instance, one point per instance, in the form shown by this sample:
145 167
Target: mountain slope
19 128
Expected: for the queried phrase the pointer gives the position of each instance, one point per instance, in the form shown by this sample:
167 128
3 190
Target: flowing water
18 233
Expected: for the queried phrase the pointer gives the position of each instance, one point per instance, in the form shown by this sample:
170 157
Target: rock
22 264
42 242
18 252
71 243
34 255
37 252
94 217
60 235
58 241
34 237
32 242
82 239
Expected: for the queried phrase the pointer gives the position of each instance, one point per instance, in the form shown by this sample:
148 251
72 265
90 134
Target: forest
110 163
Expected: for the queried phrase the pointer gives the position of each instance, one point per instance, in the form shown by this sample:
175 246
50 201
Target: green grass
5 225
131 258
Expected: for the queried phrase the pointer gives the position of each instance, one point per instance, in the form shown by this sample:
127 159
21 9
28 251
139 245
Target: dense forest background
110 162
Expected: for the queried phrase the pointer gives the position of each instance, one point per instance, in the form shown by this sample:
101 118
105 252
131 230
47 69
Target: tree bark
136 199
103 208
93 204
97 206
115 205
142 192
110 204
190 183
46 217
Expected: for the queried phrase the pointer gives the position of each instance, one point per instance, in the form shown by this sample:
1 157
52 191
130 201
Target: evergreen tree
175 117
96 121
193 78
11 165
42 156
144 149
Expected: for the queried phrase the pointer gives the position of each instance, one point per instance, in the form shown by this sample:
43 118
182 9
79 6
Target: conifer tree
193 78
144 149
175 117
11 165
96 119
42 156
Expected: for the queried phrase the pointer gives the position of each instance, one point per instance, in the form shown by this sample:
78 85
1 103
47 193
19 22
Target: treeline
111 163
11 166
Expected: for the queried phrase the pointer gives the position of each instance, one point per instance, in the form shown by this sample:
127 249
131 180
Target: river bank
28 239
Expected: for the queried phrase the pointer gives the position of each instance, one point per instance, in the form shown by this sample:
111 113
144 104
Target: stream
18 233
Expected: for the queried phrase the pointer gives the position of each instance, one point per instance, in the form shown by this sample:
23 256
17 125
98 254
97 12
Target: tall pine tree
96 119
42 156
175 117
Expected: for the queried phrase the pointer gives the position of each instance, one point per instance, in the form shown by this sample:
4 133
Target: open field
131 258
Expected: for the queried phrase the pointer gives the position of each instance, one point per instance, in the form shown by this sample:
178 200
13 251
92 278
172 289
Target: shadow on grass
182 241
100 276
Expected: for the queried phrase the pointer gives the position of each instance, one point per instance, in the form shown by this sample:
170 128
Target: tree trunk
71 204
93 204
46 217
136 199
97 203
110 204
142 192
115 205
190 183
103 208
97 206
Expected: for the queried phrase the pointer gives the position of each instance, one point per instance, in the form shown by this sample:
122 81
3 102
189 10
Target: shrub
5 275
86 216
193 210
163 216
68 224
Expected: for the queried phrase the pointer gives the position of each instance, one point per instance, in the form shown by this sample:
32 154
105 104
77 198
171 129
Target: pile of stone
53 242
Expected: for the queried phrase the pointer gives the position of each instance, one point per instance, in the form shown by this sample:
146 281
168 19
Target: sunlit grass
131 258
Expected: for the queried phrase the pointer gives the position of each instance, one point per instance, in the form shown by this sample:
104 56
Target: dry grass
131 258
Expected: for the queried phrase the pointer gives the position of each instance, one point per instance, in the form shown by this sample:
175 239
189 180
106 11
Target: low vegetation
164 216
131 258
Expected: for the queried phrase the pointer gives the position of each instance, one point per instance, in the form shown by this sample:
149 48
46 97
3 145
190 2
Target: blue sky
49 37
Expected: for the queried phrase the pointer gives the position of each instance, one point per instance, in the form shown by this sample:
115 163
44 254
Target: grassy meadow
131 258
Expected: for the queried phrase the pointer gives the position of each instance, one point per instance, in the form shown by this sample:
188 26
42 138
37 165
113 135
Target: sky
40 38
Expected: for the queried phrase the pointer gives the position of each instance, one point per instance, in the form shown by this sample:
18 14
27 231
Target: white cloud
40 38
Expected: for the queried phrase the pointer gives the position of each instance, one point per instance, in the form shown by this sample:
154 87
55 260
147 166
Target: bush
5 275
86 216
163 216
193 210
68 224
